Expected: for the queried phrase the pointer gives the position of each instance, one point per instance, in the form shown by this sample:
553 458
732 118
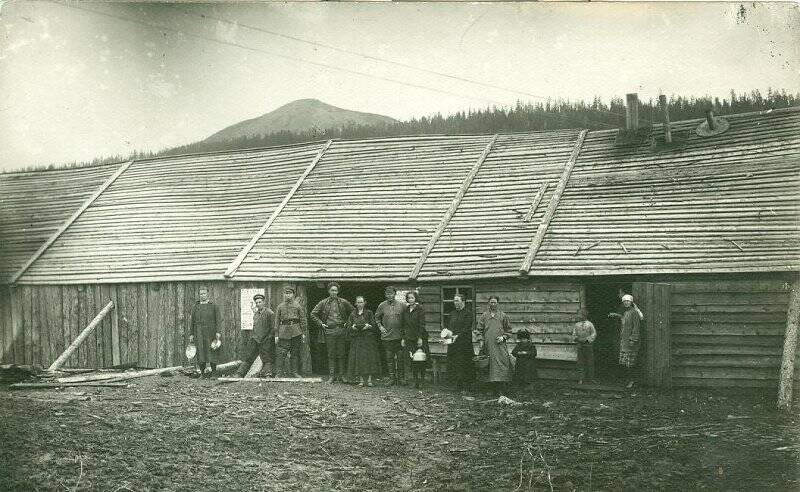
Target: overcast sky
75 85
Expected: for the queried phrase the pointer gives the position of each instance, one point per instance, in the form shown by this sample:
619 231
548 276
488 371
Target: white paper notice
248 307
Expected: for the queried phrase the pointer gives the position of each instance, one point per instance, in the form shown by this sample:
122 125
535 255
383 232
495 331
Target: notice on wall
248 306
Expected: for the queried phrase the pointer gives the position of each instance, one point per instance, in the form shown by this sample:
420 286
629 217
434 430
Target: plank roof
719 204
34 204
173 218
368 209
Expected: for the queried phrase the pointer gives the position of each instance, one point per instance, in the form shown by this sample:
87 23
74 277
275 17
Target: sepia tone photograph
350 246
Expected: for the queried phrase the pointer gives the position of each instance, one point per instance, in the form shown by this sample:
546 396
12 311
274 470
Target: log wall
547 309
728 333
149 324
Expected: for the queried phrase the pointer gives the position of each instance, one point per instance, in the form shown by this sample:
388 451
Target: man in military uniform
291 329
259 341
331 314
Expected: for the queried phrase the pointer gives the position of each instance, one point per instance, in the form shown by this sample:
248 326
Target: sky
76 84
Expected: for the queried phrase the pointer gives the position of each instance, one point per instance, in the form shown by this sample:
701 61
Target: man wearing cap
259 341
389 315
290 331
331 314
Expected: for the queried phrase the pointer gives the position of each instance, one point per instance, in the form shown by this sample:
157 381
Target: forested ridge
523 117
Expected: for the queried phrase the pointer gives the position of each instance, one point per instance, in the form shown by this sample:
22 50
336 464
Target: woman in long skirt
364 360
460 352
496 328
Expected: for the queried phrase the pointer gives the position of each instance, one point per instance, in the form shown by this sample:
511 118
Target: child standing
583 333
525 352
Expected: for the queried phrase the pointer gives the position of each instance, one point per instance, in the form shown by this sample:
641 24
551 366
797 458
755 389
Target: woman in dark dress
364 360
415 335
460 366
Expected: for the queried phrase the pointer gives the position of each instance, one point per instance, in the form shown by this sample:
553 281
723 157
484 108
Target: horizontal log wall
546 309
728 333
38 322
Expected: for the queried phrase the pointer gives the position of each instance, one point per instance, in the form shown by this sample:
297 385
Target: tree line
523 117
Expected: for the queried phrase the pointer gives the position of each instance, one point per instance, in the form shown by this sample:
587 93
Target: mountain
298 116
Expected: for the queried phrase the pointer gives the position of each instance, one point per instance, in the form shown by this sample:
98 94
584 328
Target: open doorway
602 299
373 295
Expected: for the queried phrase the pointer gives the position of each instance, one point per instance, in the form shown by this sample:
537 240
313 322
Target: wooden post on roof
536 242
632 111
85 333
246 250
662 99
69 221
785 387
452 209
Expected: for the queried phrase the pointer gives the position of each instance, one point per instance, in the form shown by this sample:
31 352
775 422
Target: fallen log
117 376
108 384
85 333
272 380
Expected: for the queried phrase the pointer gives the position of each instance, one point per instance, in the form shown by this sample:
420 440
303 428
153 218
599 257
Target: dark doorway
602 299
373 295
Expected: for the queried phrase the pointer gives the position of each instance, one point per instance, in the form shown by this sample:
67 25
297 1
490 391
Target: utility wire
303 60
385 60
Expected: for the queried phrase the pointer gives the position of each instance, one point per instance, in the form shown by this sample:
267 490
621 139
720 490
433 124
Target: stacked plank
367 210
728 334
173 218
35 204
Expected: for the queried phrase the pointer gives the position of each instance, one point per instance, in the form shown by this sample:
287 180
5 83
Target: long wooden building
704 231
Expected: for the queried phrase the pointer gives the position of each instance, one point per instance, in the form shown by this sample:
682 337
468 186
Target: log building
703 230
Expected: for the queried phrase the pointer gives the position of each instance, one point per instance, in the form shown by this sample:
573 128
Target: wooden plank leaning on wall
786 384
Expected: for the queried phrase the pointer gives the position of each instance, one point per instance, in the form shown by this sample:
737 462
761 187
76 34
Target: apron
499 360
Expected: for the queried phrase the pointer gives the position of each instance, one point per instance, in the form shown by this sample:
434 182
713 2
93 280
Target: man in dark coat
460 352
259 341
205 323
331 315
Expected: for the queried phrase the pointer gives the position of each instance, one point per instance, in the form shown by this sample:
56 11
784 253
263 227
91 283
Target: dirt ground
177 433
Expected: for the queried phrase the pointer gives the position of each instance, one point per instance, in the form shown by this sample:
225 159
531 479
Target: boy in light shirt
583 334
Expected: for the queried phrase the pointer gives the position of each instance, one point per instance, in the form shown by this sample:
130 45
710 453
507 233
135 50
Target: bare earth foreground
176 433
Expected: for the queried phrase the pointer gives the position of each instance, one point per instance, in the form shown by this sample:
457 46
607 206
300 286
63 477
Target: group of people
351 338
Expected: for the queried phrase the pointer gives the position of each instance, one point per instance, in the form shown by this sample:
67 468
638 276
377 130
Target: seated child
525 352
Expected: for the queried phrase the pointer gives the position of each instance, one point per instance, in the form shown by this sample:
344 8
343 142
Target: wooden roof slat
536 201
452 209
69 221
246 250
536 242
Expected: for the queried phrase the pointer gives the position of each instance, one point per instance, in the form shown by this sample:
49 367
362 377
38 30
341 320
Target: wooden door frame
655 299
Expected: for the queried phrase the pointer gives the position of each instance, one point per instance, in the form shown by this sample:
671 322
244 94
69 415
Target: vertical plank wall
149 325
728 333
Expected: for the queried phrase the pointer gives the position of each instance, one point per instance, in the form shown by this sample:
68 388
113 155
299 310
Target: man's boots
341 369
331 370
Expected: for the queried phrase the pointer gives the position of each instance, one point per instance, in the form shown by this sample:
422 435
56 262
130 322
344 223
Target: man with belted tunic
259 340
331 314
291 328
